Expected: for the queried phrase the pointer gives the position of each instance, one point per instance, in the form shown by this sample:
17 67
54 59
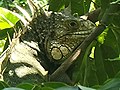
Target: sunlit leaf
7 18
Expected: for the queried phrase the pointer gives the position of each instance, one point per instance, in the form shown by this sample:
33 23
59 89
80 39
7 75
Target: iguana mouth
83 33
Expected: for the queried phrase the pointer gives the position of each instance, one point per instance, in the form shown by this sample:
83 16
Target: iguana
46 40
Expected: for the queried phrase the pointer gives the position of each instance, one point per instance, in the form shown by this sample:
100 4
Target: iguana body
47 41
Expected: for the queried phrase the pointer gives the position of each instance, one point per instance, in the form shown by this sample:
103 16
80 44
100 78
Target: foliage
10 4
100 61
7 22
43 86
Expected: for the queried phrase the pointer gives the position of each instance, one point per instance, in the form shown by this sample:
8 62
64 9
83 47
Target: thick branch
93 16
65 65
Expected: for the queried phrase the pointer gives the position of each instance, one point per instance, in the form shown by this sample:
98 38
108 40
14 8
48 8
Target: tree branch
93 16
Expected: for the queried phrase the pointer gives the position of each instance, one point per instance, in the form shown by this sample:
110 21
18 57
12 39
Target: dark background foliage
100 62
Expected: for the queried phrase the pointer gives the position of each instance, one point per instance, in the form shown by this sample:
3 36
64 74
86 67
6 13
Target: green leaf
97 3
47 88
86 5
80 6
116 19
13 88
26 86
85 88
54 84
68 88
56 5
111 52
77 6
85 71
115 2
101 37
36 87
104 4
107 56
4 33
99 63
3 85
110 47
114 59
7 18
2 43
114 84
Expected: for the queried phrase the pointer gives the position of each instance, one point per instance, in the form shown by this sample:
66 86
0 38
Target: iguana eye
73 24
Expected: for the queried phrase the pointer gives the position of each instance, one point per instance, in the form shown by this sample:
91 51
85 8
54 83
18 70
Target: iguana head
68 32
59 34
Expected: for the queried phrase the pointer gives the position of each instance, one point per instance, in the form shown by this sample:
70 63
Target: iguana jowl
48 39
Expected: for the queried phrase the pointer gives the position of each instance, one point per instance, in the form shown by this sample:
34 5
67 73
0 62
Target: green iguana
46 40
